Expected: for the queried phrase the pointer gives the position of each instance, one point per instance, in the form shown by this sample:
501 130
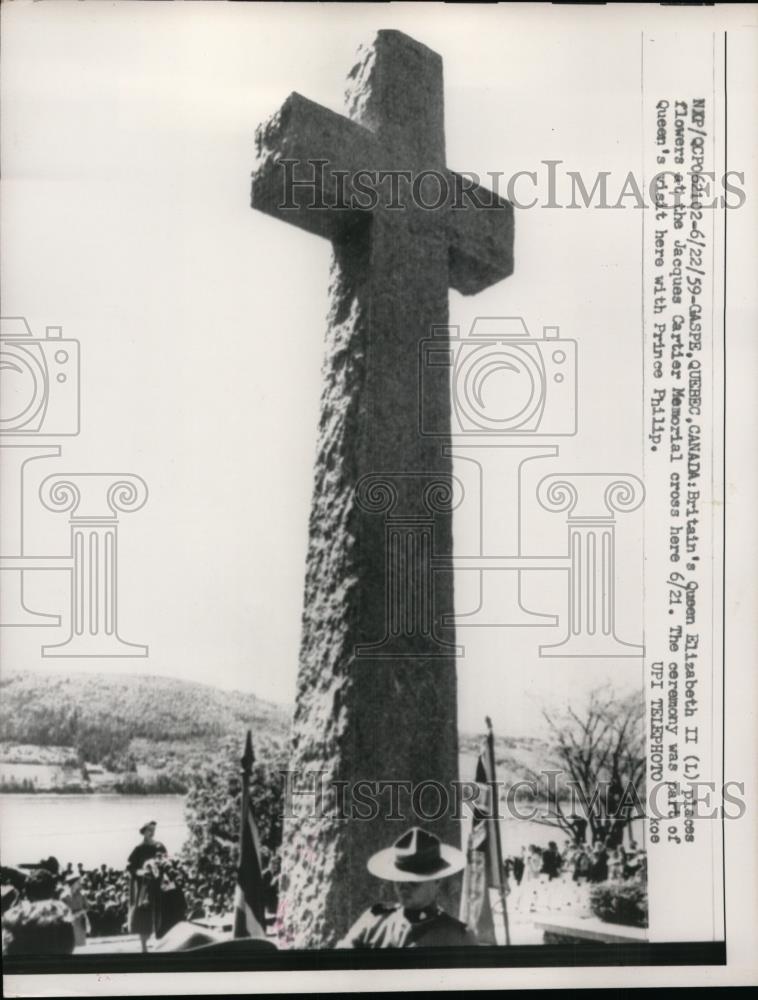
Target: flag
249 911
486 821
249 919
484 870
476 909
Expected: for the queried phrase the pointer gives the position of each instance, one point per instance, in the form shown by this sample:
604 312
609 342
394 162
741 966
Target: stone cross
389 717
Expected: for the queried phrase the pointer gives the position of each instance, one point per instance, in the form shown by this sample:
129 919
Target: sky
127 150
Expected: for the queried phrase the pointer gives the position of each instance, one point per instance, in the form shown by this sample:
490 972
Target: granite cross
392 716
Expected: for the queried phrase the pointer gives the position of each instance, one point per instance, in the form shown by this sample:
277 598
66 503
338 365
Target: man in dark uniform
416 864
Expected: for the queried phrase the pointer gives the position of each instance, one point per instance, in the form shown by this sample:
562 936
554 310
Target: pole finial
488 723
248 757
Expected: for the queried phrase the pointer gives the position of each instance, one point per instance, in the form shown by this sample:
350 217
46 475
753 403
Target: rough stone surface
391 716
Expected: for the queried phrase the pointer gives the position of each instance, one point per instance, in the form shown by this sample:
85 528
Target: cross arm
302 192
480 239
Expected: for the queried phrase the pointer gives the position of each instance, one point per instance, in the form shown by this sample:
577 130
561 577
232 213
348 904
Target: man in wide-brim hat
416 863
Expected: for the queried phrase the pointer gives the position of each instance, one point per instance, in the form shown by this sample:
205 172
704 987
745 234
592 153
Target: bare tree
597 770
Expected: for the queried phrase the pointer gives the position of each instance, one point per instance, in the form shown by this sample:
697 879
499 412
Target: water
94 829
102 829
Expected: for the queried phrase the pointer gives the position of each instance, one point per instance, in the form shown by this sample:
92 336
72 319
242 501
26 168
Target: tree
213 805
599 760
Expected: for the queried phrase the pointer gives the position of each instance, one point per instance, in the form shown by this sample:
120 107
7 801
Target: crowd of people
547 878
149 897
52 909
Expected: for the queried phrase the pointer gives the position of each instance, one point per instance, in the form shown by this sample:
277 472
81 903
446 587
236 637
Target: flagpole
495 801
246 770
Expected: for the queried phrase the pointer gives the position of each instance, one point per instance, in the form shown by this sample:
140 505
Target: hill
122 720
150 732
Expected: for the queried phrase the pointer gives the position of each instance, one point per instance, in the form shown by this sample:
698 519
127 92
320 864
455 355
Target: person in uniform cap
416 863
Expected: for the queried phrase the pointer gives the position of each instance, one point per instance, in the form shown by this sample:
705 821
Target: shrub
620 902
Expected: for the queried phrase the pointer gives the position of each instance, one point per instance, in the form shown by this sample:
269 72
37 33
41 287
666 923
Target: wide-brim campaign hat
417 856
